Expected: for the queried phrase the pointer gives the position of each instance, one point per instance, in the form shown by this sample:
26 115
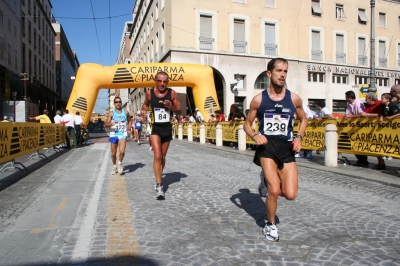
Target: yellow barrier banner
364 136
17 139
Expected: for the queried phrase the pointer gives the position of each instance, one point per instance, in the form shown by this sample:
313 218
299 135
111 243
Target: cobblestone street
212 214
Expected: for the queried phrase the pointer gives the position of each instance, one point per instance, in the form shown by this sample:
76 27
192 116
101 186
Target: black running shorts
164 132
280 151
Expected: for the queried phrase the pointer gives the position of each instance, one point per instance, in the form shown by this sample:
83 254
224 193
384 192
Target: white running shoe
114 170
160 195
138 142
120 168
271 232
151 148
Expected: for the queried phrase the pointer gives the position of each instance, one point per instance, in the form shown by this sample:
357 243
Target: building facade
38 54
10 52
327 44
123 58
67 64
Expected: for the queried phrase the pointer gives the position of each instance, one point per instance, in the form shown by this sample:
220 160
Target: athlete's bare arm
108 122
303 120
145 107
175 105
254 105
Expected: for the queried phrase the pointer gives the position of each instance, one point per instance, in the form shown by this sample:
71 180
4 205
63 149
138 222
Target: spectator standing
305 153
68 120
220 116
198 116
323 111
390 109
373 108
57 118
230 116
212 118
353 109
192 118
78 123
42 118
238 115
395 92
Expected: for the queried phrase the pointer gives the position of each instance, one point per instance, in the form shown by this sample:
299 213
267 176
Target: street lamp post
372 84
14 93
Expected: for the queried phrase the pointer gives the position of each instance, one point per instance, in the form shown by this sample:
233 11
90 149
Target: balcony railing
340 58
270 49
316 55
239 46
382 62
362 60
206 43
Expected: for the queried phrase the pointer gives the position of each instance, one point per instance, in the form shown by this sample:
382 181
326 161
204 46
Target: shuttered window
269 33
339 43
269 3
382 49
239 30
382 20
315 40
361 46
205 26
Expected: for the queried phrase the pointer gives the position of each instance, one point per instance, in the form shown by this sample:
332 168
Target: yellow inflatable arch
93 77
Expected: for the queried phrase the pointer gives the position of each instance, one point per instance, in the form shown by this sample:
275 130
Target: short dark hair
236 110
387 96
162 73
350 94
66 111
117 97
77 113
321 103
271 64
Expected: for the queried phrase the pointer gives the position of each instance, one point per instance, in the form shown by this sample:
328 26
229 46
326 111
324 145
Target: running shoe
138 142
114 170
160 195
271 232
120 168
151 148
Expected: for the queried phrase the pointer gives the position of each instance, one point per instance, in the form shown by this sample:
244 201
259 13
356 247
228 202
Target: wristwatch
299 137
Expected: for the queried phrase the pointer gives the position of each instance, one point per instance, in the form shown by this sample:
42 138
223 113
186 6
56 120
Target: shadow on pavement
24 168
133 167
122 261
252 203
170 178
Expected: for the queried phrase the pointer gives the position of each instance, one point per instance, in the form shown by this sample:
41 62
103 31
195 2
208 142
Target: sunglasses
118 102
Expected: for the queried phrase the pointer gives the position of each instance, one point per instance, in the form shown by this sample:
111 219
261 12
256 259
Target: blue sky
94 30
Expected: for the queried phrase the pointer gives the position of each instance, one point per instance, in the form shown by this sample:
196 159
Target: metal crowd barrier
364 136
17 139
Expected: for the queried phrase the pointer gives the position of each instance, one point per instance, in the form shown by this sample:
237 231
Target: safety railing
365 136
18 139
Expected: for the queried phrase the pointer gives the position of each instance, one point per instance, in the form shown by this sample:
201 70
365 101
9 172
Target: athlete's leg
122 147
158 157
289 180
164 150
270 170
114 153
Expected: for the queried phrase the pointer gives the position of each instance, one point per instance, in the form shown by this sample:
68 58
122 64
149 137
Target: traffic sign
364 89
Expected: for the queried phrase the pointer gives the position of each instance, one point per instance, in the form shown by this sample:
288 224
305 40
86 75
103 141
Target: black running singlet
275 118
